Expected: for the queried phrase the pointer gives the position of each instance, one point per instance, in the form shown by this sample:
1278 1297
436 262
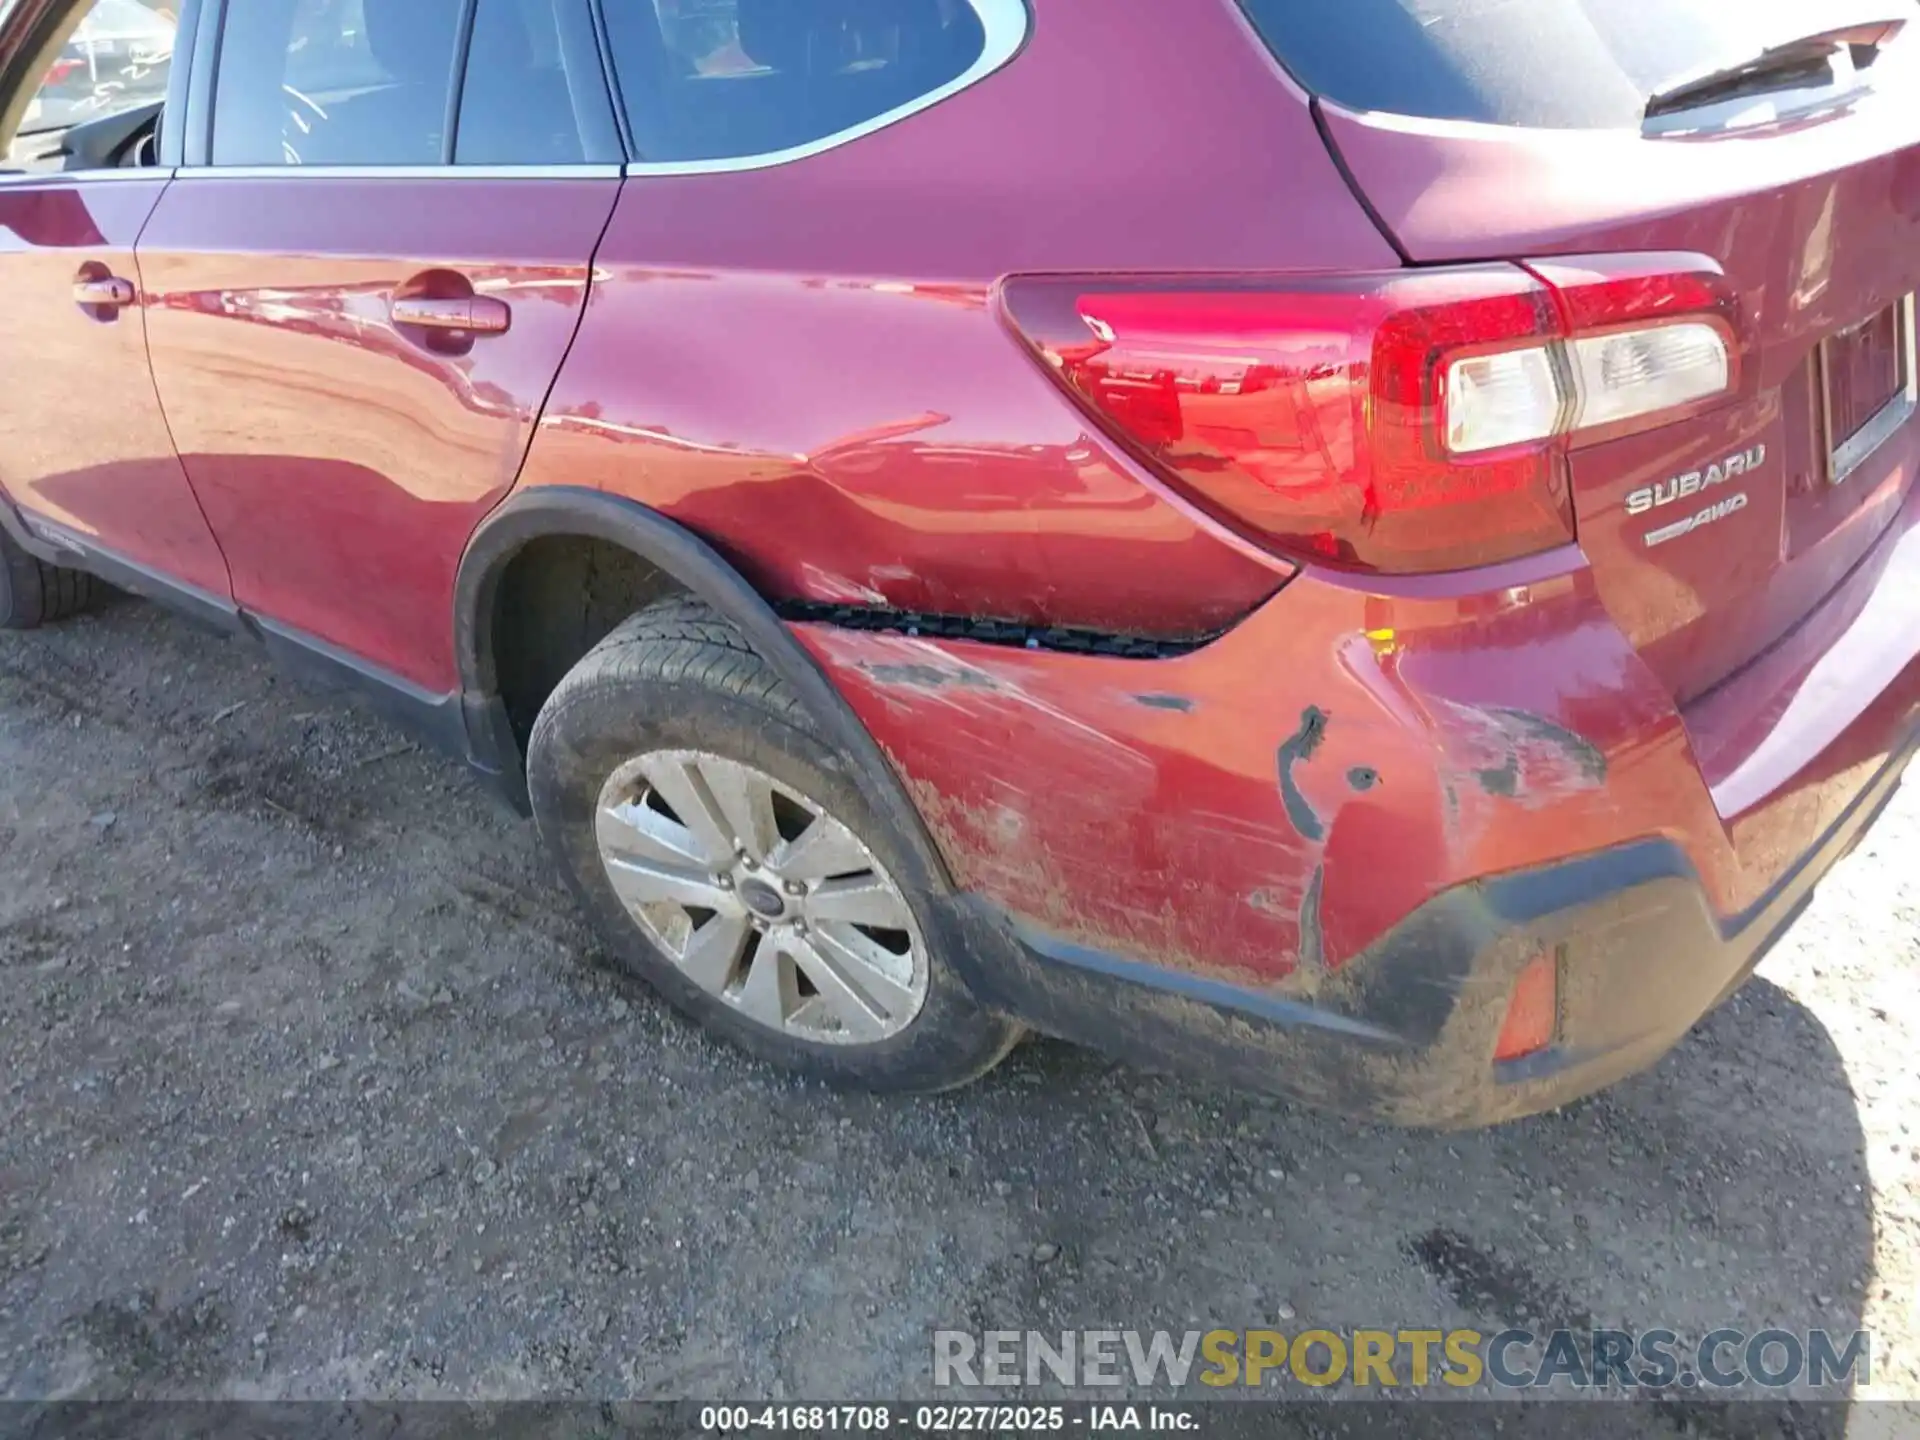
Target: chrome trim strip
64 177
1850 456
399 172
1006 23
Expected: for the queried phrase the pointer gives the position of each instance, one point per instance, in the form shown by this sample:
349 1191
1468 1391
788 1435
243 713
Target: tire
34 593
677 692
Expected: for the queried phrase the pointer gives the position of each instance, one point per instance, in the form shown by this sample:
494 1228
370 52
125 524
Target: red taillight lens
1397 423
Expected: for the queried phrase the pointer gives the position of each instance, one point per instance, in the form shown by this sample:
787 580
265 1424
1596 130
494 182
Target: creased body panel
1265 809
801 363
884 445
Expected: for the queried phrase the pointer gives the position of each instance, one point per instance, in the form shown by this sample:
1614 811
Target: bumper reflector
1533 1011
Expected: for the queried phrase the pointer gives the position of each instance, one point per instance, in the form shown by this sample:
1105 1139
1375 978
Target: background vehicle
1394 592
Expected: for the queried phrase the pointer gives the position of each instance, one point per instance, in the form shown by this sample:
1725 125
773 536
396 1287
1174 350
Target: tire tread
681 641
35 593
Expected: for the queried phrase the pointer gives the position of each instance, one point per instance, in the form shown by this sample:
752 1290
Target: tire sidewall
591 729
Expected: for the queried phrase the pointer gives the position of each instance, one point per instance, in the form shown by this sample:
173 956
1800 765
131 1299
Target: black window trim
173 132
210 25
583 18
457 91
603 41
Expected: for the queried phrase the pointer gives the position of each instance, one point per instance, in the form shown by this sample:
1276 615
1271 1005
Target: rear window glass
731 79
1561 64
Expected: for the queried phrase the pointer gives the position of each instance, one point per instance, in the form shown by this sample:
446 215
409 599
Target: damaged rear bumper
1313 855
1641 958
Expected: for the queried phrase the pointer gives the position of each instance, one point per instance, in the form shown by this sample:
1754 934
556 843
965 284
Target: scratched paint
1519 756
1585 756
1313 945
1297 749
930 677
1178 703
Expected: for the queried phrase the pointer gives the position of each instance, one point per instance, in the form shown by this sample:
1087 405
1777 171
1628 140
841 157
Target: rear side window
736 79
1560 64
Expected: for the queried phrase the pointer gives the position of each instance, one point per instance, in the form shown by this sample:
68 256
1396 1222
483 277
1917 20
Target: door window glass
725 79
335 82
117 59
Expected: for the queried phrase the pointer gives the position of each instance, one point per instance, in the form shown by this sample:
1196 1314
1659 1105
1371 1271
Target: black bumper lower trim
1405 1032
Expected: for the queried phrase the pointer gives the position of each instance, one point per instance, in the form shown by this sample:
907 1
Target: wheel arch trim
566 511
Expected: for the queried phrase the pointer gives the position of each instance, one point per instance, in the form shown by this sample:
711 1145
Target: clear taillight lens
1403 422
1493 401
1590 383
1636 373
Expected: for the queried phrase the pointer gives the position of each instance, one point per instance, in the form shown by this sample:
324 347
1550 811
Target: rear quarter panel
805 365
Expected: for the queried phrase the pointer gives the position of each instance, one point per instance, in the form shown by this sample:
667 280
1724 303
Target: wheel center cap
762 899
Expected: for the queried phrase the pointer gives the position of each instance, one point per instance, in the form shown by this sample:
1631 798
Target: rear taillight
1397 423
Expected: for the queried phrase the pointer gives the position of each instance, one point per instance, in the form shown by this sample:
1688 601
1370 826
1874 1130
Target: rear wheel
733 862
34 593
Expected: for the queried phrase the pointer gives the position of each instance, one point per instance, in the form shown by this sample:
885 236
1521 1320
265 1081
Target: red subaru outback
1370 550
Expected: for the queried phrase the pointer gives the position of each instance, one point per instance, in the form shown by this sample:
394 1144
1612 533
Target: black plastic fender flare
699 569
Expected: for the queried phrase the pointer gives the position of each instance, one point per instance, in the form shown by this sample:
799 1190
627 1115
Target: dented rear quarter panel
1264 809
804 364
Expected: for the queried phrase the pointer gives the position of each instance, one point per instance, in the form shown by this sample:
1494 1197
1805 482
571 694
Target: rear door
84 452
1481 130
362 286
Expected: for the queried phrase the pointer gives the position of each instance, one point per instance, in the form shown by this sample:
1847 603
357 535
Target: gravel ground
313 1086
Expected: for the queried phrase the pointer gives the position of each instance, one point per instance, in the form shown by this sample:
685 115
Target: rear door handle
111 293
473 315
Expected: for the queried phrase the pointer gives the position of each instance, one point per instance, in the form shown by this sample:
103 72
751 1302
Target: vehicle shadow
1726 1187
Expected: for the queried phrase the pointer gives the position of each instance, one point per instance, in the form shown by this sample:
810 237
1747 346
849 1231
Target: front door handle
472 315
110 293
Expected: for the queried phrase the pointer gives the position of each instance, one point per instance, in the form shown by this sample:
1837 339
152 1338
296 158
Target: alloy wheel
762 897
